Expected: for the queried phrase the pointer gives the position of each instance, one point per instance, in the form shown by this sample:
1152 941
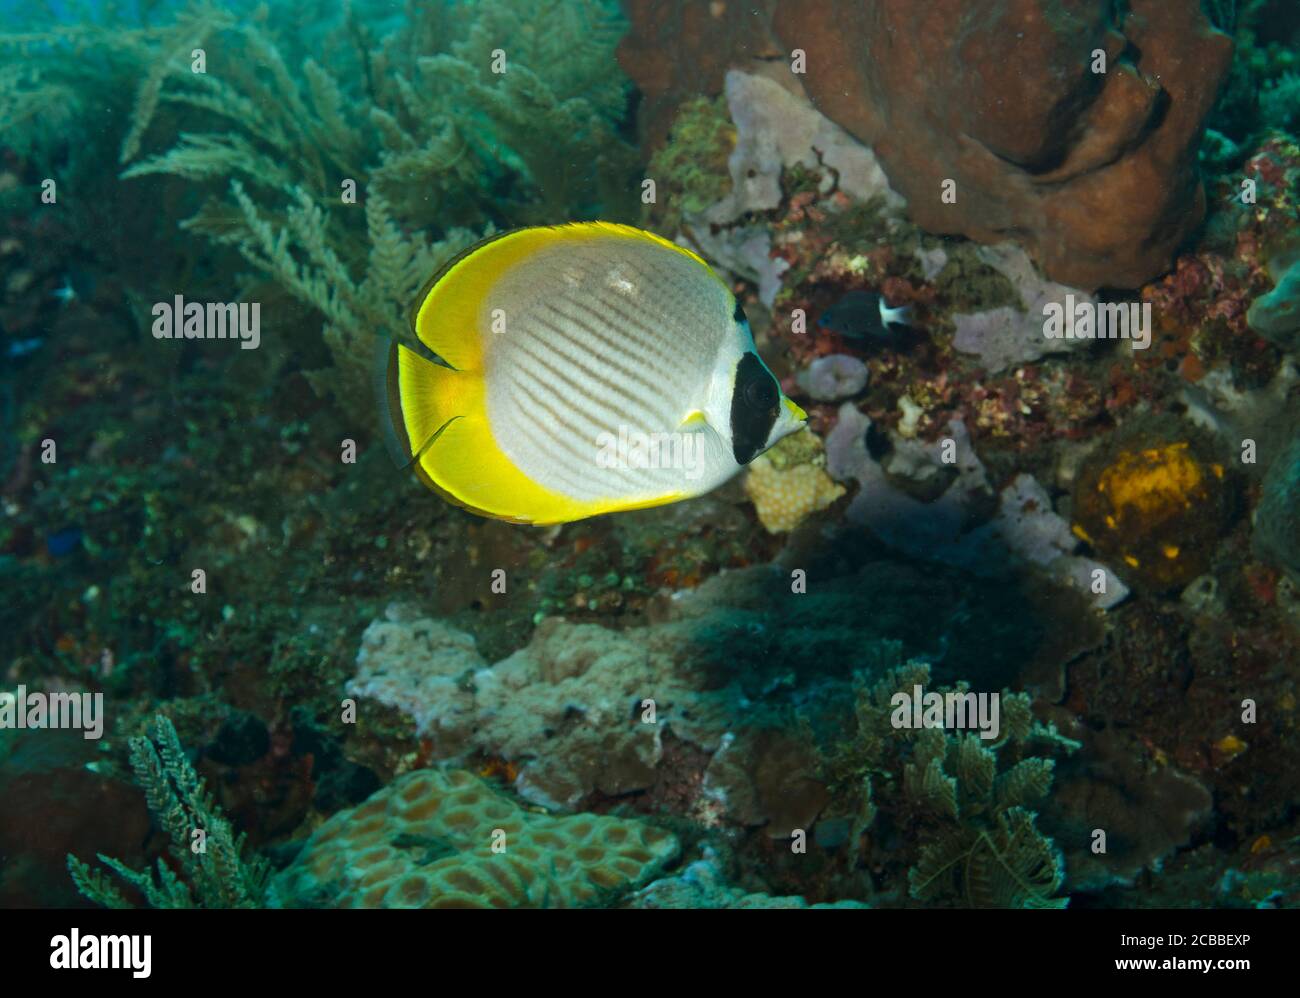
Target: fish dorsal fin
445 316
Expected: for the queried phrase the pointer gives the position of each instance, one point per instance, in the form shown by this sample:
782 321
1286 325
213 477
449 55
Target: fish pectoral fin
694 420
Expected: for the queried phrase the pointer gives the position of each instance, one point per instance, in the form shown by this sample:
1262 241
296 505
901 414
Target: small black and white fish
864 315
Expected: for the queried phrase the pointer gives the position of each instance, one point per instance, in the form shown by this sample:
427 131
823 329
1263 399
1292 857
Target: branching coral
210 856
966 800
987 851
302 259
457 121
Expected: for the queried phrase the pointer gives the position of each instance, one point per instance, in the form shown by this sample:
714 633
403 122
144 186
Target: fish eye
739 314
761 393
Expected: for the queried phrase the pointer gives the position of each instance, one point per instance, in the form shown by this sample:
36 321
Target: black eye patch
761 394
739 314
755 405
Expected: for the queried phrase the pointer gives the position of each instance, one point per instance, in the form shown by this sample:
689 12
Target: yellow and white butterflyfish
579 369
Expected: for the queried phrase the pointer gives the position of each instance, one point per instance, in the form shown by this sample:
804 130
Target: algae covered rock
1093 172
1276 315
702 885
567 708
435 839
1277 518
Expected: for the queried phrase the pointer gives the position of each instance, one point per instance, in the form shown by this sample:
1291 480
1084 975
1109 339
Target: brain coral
435 839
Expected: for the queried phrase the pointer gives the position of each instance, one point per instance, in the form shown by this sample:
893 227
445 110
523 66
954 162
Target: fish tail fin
435 423
418 398
901 316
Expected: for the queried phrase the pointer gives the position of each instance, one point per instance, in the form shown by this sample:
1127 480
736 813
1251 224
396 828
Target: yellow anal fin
465 464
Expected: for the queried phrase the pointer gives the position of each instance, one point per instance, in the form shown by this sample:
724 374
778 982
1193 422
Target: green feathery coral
983 849
964 800
205 848
349 186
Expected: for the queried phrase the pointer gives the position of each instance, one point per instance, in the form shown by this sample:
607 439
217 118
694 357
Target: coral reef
584 713
1094 172
435 839
1200 310
567 710
712 680
963 799
775 133
947 527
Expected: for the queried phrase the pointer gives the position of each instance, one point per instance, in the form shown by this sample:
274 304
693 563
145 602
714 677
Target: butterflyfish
562 372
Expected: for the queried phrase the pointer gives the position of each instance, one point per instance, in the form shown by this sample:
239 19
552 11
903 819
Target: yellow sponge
783 497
